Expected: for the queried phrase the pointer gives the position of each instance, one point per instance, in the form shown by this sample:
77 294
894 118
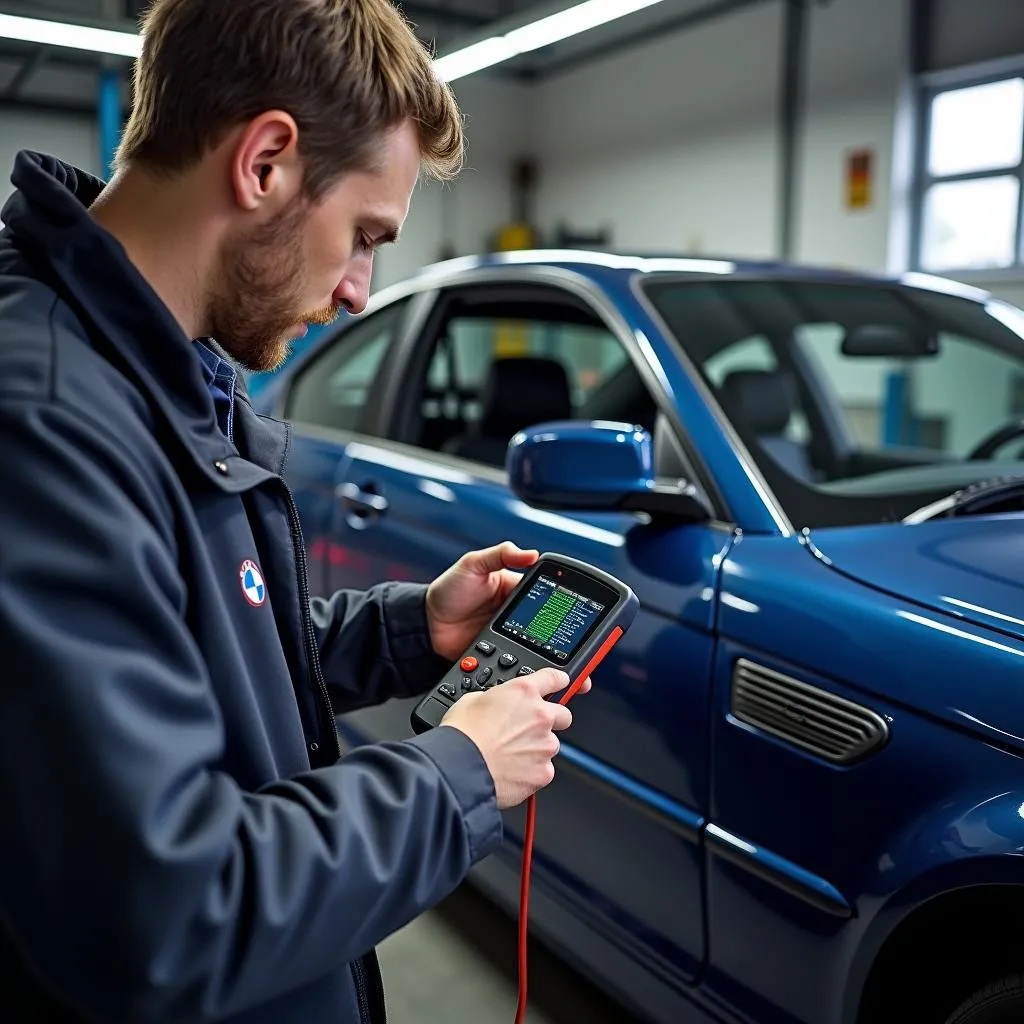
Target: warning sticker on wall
859 178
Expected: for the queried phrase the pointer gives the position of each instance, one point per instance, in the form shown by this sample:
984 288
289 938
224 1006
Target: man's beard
254 306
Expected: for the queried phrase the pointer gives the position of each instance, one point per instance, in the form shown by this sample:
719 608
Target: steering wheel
989 445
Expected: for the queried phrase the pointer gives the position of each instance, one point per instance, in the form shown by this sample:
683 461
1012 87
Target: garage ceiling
62 80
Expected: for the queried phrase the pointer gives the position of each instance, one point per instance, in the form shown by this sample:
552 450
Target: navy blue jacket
181 838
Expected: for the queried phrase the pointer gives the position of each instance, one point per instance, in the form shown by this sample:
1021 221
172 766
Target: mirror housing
888 341
598 466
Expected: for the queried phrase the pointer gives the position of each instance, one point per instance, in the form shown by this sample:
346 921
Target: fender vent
806 716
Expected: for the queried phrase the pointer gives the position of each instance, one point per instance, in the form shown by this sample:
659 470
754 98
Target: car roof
596 263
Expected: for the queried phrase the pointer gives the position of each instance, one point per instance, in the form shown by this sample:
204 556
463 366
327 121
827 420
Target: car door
331 400
619 833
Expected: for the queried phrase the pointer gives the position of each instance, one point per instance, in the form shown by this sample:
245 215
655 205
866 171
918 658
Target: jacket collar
48 220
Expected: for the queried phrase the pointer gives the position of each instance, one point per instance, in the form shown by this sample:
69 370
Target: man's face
314 262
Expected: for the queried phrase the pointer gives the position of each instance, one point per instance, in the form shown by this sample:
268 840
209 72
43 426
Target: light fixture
543 32
466 61
75 37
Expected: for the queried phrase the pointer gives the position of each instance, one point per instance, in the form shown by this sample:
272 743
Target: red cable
524 888
524 903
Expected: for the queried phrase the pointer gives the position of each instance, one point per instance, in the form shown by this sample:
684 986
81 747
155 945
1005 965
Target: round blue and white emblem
253 587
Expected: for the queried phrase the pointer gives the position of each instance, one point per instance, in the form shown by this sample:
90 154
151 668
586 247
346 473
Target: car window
334 388
493 373
755 354
588 354
941 414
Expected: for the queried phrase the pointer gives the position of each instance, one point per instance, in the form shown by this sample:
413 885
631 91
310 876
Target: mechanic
182 837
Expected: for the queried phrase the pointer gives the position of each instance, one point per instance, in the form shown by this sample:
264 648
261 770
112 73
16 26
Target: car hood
970 568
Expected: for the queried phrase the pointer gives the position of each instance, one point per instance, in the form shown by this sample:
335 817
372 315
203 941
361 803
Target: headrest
763 400
520 392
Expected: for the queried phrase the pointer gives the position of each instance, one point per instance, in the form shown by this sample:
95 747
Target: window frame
413 356
929 86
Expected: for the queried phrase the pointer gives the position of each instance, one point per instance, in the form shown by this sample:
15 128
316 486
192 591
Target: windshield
860 402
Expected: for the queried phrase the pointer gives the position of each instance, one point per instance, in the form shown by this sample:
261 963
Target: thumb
548 680
504 555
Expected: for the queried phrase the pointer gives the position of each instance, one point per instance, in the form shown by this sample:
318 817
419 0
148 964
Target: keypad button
507 660
469 664
525 670
447 691
467 683
484 674
484 647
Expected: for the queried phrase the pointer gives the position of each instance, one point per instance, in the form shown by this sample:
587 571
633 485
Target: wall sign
859 178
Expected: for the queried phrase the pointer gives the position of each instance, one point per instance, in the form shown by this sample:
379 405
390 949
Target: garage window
971 171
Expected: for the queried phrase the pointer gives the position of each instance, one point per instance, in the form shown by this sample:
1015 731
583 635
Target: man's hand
464 598
514 727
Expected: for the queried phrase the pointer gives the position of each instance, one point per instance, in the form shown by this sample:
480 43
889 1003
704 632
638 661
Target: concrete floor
458 963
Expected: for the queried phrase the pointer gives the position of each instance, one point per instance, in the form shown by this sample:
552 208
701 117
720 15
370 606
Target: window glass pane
588 354
334 389
970 224
977 129
462 415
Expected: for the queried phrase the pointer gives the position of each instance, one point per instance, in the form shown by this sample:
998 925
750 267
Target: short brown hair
348 71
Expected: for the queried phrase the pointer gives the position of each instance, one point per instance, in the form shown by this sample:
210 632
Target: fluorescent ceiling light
542 32
473 58
467 61
75 37
572 22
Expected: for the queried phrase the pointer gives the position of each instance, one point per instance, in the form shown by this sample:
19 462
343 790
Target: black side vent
812 719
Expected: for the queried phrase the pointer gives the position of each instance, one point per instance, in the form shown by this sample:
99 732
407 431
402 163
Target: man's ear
265 165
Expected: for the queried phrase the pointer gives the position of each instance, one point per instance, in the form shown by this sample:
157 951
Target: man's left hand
464 598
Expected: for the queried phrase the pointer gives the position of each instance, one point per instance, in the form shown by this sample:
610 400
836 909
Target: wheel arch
940 937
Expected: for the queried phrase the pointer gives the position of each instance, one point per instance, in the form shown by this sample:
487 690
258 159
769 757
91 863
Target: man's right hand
514 728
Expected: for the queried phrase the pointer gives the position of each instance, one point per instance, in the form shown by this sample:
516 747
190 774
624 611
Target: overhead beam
66 108
444 16
30 65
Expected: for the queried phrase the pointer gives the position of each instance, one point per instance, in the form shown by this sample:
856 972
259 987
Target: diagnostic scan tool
564 613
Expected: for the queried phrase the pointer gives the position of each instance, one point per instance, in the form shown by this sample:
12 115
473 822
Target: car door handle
358 499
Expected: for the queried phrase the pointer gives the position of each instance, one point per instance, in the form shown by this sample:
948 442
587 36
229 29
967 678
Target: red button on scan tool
469 664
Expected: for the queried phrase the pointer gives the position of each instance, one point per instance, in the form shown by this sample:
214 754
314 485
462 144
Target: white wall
670 145
73 139
856 59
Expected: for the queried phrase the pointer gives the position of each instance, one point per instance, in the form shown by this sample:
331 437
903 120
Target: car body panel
698 866
636 761
969 569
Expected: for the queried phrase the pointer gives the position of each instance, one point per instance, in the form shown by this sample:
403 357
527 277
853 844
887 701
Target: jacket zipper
312 654
320 686
364 1003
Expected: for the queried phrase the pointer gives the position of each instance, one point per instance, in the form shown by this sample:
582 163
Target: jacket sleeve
140 882
375 645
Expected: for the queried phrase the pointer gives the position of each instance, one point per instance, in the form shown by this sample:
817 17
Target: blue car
795 794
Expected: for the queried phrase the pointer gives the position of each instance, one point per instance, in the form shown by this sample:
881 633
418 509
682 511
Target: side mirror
888 341
596 467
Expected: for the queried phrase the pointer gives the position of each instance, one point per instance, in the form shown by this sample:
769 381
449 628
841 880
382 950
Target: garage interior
877 136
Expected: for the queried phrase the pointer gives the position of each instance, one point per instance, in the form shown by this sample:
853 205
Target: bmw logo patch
253 587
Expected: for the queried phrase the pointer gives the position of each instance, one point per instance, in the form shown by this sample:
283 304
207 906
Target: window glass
492 374
334 389
979 128
588 354
970 224
900 388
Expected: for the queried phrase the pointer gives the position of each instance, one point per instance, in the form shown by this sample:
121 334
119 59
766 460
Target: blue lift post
899 426
111 118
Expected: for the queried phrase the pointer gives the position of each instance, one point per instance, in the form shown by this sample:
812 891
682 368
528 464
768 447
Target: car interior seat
764 401
518 393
